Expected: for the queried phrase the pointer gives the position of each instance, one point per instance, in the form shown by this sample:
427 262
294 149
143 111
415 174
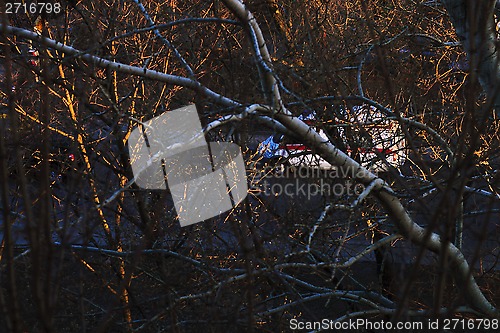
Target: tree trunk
474 23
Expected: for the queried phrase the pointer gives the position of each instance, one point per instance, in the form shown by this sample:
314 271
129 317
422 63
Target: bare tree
103 254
